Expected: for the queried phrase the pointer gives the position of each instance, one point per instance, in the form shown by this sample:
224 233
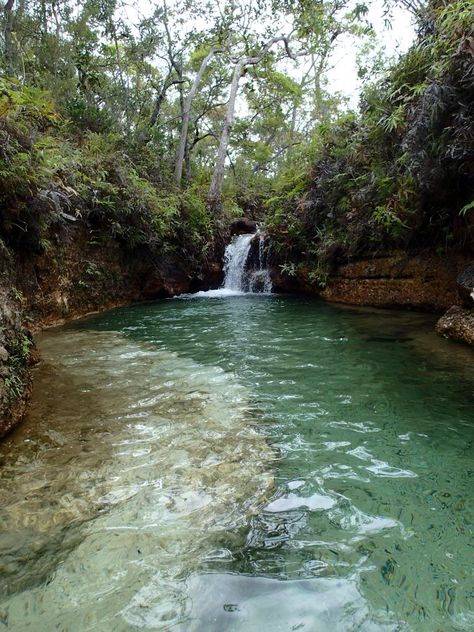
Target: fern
465 209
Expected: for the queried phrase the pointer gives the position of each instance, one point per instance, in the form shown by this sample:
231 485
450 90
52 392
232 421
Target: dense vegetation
54 173
400 173
124 121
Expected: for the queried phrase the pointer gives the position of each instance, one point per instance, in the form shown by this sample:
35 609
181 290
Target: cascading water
259 279
245 267
235 259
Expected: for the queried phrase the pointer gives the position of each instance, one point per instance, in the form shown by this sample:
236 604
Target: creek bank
396 279
15 351
82 271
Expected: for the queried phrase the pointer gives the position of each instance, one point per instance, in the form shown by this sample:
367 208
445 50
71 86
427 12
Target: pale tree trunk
294 115
215 190
124 83
8 33
176 65
178 172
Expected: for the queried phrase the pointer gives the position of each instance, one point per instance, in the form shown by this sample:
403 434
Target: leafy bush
51 167
85 116
400 173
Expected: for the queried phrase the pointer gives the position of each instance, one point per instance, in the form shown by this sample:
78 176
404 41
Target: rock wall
399 280
80 272
15 350
394 279
84 272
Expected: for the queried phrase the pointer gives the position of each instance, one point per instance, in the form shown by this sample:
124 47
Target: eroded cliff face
78 273
398 280
84 272
394 279
15 350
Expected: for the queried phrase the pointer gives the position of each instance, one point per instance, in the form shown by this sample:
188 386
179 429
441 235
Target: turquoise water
242 463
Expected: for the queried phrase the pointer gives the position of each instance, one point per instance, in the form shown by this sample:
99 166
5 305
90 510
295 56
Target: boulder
457 324
465 283
4 355
243 226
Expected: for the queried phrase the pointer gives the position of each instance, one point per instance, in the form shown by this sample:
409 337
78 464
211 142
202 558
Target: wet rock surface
457 324
465 283
243 226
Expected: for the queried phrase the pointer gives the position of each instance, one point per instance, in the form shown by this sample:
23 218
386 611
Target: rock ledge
457 324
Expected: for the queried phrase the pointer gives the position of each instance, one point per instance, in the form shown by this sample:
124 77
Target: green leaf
467 208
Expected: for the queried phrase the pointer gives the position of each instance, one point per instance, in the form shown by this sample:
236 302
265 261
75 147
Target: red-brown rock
457 324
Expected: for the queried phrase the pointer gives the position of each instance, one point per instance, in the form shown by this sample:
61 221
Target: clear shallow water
247 463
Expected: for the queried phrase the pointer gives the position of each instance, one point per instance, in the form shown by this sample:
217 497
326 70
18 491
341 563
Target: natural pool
253 463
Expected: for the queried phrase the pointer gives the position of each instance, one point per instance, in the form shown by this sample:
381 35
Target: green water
242 464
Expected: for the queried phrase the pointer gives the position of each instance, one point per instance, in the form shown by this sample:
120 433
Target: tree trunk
176 65
121 75
178 172
215 190
9 46
160 97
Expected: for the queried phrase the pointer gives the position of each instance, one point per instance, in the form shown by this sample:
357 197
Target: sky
342 78
396 40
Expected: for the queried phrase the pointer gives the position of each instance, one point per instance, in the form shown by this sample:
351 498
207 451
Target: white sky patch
342 77
396 40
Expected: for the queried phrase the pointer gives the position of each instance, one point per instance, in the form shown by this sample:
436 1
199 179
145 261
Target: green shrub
51 167
400 173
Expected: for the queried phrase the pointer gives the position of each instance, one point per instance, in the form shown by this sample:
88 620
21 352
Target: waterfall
245 269
245 265
235 258
259 279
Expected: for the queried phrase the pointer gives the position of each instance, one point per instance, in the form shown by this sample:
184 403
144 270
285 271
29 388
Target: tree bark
121 74
178 172
9 46
215 190
177 65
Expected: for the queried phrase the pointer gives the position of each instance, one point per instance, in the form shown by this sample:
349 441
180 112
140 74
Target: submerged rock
457 324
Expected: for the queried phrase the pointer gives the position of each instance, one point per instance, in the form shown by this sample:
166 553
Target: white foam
220 293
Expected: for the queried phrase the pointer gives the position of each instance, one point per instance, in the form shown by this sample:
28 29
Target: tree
178 173
215 189
9 50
